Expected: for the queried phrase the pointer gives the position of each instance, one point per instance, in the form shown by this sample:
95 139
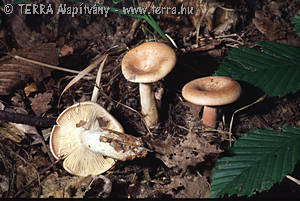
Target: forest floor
184 150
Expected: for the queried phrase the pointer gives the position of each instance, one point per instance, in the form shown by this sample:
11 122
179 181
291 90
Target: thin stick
27 119
98 79
297 181
44 64
245 107
41 137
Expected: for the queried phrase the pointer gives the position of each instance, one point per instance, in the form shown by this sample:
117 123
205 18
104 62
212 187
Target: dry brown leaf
9 131
69 186
4 184
194 109
192 186
24 37
54 186
30 88
66 50
269 23
15 131
25 173
40 102
188 152
16 73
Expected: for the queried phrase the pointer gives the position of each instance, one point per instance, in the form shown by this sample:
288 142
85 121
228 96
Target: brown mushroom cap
148 62
65 142
212 91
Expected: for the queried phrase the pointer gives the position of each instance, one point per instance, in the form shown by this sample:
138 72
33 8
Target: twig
46 147
297 181
245 107
215 130
27 119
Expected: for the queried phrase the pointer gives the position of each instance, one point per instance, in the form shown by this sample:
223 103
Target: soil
184 151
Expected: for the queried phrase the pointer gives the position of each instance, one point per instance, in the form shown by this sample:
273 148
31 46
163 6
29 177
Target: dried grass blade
98 79
83 73
45 65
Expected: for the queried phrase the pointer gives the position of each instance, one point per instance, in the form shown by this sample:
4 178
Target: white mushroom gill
85 147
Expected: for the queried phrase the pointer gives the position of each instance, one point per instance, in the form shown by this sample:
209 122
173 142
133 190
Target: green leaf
275 69
296 23
261 158
117 1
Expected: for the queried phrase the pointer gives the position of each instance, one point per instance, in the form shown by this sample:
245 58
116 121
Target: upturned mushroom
145 64
90 140
210 92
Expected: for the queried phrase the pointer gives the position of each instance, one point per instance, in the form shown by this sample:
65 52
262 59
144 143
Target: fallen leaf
30 88
4 184
46 134
40 102
269 22
188 152
22 34
9 131
54 186
194 109
189 186
16 131
24 173
66 50
15 73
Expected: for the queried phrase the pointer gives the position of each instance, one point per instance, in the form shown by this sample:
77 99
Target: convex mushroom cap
66 142
211 91
145 64
148 62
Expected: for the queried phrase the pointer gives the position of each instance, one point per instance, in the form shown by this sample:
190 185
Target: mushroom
145 64
211 91
89 139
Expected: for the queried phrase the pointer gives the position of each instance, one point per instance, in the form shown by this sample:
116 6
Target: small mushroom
209 92
145 64
89 139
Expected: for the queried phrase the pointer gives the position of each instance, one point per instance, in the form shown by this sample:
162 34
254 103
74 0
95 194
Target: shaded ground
182 167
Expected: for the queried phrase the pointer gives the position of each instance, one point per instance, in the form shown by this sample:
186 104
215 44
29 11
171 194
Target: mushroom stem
209 116
115 145
148 104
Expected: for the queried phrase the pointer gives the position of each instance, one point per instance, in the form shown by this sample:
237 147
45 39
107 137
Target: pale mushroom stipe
210 92
89 139
145 64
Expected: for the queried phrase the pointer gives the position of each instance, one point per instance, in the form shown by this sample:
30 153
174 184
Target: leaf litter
179 168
